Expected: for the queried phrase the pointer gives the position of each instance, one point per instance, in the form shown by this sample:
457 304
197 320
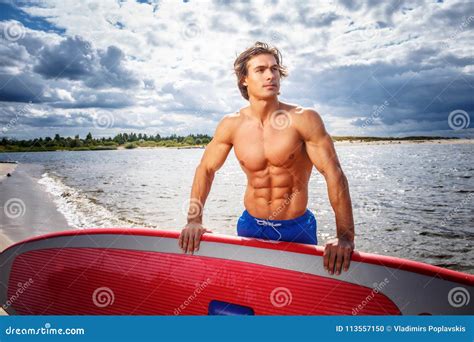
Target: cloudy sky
398 68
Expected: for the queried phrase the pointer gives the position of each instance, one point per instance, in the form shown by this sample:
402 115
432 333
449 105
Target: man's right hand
190 237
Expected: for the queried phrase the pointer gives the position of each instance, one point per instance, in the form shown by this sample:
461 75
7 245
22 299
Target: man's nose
269 74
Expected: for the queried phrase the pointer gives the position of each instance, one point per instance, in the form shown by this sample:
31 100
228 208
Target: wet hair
259 48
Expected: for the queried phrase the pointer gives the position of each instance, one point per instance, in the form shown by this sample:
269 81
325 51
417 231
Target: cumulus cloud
75 59
167 66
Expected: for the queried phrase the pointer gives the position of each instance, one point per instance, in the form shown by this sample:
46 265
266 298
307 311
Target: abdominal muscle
276 194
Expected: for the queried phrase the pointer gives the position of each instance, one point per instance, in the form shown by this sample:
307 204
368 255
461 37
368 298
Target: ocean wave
79 210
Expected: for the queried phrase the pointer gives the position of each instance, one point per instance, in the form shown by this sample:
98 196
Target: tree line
128 140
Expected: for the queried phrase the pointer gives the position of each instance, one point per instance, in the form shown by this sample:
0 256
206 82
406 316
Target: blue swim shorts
301 229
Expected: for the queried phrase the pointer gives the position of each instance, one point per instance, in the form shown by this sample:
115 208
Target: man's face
263 77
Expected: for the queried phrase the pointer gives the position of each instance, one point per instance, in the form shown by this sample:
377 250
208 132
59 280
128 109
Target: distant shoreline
351 142
405 141
338 141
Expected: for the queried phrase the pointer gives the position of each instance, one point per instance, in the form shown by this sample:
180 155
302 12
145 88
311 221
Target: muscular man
277 145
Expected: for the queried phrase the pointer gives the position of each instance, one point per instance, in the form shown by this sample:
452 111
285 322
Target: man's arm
214 157
320 149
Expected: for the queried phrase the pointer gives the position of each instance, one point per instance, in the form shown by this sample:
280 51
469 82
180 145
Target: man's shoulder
238 114
307 121
229 119
227 125
303 115
299 111
232 119
231 116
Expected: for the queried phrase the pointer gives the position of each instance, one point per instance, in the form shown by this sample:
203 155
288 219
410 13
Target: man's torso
274 158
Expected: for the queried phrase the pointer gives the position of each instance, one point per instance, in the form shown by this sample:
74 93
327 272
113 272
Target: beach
26 205
5 169
4 243
27 209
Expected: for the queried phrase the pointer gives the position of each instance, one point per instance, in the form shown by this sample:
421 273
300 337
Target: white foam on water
79 211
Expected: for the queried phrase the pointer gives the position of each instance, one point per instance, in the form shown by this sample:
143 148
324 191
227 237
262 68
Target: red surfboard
117 271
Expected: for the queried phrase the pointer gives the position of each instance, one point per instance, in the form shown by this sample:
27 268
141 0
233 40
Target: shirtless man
277 145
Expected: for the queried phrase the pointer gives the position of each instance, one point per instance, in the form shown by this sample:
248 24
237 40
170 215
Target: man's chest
257 147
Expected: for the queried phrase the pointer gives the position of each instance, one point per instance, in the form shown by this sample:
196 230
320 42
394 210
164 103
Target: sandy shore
27 209
4 243
4 240
5 169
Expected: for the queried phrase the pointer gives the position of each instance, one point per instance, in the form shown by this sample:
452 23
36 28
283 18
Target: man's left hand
337 254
